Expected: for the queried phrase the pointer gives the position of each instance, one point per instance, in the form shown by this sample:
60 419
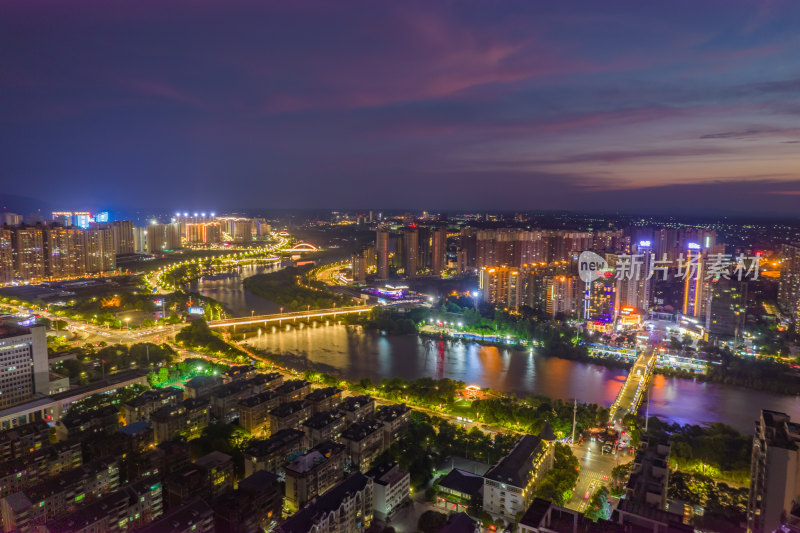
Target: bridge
636 384
290 317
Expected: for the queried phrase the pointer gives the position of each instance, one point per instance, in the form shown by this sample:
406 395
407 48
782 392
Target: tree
599 506
431 521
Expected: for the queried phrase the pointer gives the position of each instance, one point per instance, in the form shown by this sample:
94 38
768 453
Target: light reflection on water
355 354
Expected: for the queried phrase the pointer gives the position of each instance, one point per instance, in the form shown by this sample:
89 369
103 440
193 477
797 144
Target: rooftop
360 430
515 467
284 437
323 419
288 409
304 520
462 481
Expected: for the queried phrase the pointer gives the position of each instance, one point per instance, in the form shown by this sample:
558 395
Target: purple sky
639 106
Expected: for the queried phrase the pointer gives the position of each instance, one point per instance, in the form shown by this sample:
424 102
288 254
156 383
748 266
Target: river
354 354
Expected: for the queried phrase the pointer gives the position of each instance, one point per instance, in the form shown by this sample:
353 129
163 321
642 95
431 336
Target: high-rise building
64 218
82 219
695 286
501 286
774 473
789 282
23 364
65 252
602 295
411 251
139 240
162 237
122 230
203 233
359 266
634 289
438 251
12 219
27 247
6 256
382 252
100 253
725 311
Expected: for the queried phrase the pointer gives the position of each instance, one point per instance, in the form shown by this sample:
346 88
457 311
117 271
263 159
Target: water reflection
355 354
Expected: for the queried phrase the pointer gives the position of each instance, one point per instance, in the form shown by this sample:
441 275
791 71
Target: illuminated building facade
82 219
358 263
162 237
65 252
501 286
695 287
23 364
100 253
27 246
122 231
382 251
63 218
727 303
411 251
789 282
6 256
438 250
203 233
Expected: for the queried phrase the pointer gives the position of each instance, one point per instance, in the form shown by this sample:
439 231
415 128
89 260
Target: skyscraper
122 231
28 252
65 252
727 303
100 253
411 251
382 252
6 256
501 286
789 283
438 251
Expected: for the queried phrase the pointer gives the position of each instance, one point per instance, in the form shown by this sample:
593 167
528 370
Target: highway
292 316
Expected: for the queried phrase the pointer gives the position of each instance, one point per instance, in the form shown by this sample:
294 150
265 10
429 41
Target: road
595 471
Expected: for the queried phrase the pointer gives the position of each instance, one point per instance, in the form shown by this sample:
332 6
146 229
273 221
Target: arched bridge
302 247
290 317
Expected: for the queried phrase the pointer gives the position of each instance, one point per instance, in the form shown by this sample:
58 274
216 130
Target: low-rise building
239 372
293 390
57 495
460 486
254 412
20 440
208 477
254 506
273 453
289 415
507 487
324 399
140 408
357 408
346 508
219 468
314 473
327 425
76 426
364 442
187 419
201 386
390 490
195 516
130 507
395 421
225 399
23 471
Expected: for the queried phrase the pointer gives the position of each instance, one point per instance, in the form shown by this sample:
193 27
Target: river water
353 353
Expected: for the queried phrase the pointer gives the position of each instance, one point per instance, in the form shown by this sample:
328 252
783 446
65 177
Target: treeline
431 440
186 369
532 413
717 450
198 336
90 365
559 483
725 506
283 288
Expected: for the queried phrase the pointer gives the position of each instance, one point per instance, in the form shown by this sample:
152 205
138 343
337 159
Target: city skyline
682 108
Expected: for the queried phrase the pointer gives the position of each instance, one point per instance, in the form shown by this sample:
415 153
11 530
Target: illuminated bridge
290 317
635 386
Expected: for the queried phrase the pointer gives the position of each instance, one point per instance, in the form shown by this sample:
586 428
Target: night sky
643 106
